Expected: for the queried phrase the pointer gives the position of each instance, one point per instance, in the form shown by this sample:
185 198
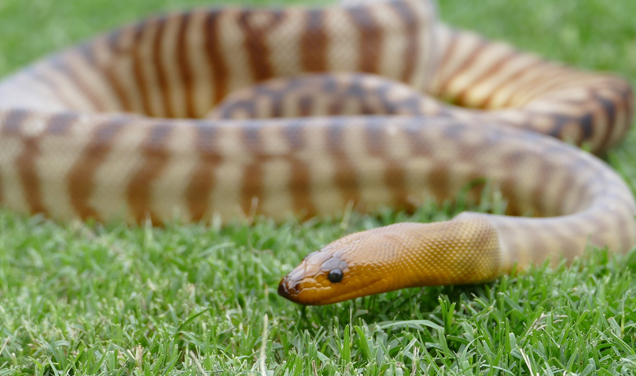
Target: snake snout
288 288
283 290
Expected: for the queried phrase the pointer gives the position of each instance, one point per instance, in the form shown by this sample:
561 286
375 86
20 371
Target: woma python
173 117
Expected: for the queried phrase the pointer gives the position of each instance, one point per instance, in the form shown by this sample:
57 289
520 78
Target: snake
221 114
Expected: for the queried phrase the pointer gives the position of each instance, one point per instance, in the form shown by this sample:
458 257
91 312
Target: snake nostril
296 288
288 288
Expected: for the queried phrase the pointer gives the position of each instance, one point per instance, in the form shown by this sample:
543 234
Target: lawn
83 298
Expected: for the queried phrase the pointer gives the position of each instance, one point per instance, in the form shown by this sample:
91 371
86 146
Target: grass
82 298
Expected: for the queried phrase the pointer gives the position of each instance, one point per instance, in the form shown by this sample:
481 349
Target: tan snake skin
168 119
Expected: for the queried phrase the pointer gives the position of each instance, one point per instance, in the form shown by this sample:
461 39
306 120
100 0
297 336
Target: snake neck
460 251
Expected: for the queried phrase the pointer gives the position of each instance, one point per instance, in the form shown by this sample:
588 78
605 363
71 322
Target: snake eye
335 275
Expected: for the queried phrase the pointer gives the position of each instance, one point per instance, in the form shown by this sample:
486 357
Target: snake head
353 266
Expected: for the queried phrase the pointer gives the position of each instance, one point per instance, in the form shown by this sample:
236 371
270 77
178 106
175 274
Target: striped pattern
170 119
522 90
181 65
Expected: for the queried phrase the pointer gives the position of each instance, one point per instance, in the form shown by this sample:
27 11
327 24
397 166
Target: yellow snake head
395 257
345 269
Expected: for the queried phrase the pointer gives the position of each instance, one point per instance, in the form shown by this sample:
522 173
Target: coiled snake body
169 118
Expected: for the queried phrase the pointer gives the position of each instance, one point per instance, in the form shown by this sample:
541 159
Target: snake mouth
353 294
293 294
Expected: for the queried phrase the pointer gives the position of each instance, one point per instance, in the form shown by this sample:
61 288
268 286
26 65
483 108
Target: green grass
188 299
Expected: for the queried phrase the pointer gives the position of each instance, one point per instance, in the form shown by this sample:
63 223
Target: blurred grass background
188 299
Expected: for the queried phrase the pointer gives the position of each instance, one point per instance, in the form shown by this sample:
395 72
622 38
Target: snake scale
234 112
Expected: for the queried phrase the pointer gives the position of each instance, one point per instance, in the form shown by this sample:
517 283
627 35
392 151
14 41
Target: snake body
171 118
